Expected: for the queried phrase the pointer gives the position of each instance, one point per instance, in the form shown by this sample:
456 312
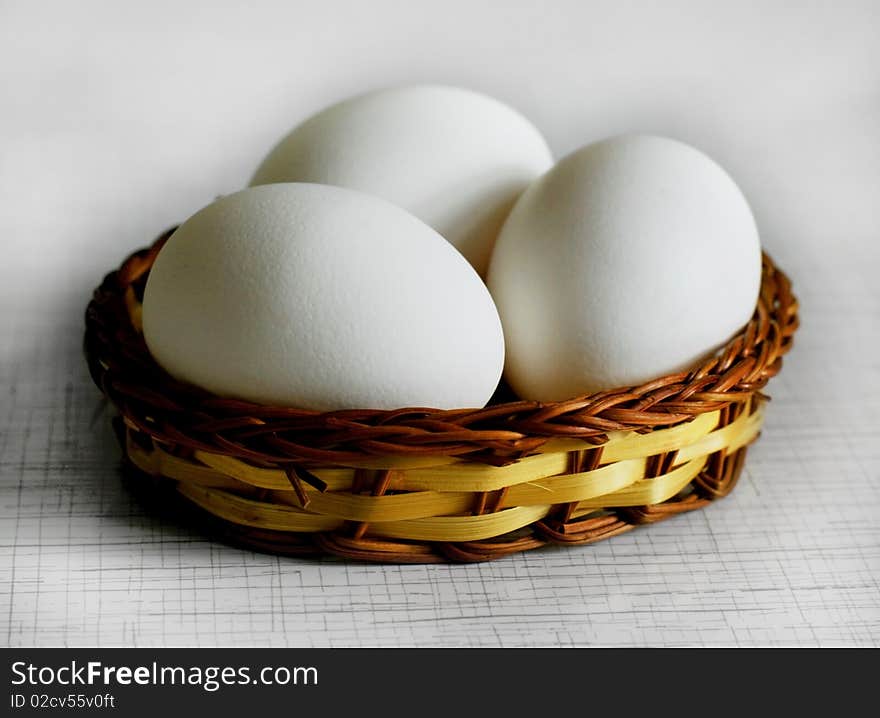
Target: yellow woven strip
478 477
661 488
257 513
466 528
630 445
417 504
276 479
527 478
160 463
535 484
288 518
606 486
461 528
731 437
423 504
461 476
465 476
750 430
575 487
441 528
458 475
402 462
420 504
648 491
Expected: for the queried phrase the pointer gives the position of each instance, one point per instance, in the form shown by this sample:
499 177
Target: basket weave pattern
421 484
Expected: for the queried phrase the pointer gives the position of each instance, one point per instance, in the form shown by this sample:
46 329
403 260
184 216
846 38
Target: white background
119 119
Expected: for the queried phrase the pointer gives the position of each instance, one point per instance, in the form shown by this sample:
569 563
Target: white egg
633 258
455 158
321 298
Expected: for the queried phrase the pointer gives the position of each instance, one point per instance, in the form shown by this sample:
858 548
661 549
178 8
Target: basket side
420 484
465 511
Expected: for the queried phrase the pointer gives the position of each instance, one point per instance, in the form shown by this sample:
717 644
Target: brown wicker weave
424 485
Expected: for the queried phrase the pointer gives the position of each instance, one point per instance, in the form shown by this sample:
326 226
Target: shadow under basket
426 485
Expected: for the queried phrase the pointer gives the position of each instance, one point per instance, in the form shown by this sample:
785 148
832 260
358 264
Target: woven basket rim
503 431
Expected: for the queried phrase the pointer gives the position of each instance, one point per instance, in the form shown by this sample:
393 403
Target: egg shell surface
633 258
321 298
455 158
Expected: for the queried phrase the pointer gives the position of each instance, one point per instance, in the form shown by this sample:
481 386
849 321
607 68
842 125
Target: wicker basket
426 485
